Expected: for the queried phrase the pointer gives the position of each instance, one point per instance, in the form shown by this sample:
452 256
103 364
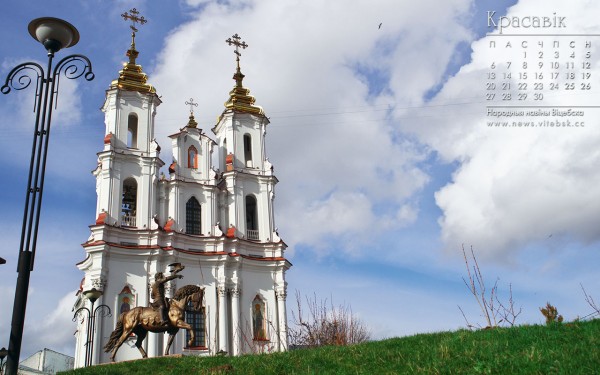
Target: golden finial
240 98
192 122
132 77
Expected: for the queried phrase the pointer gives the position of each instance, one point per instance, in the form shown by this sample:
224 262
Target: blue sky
377 136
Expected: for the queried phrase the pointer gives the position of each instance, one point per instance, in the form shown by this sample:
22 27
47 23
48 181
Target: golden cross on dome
192 105
235 41
192 122
133 16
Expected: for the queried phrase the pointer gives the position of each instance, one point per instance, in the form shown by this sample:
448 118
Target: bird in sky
380 25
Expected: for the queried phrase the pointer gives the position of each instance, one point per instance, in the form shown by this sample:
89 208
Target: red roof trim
113 244
142 247
93 243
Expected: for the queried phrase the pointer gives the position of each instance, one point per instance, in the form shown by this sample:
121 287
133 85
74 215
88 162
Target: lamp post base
18 318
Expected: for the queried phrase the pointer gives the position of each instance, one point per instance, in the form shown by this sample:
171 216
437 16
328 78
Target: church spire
132 77
239 97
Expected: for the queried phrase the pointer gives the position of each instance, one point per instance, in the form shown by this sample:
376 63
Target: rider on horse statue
158 291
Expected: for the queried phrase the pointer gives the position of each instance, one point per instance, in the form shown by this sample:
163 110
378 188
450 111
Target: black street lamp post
92 295
54 34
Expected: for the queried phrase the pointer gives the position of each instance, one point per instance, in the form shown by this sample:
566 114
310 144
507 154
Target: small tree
494 311
325 324
551 314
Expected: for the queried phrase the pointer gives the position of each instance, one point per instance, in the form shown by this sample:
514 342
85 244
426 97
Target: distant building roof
46 361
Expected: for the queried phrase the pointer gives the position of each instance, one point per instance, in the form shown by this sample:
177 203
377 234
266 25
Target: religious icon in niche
126 300
258 319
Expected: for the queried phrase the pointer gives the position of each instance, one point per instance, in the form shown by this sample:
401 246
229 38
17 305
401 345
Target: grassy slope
572 348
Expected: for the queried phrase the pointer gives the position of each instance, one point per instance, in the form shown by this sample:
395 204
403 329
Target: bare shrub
325 324
494 311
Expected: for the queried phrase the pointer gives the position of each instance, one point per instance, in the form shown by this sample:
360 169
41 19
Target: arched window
259 327
192 157
251 218
198 322
132 128
129 203
248 150
192 216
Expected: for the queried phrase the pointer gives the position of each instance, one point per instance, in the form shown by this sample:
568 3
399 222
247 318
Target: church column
282 338
235 320
222 293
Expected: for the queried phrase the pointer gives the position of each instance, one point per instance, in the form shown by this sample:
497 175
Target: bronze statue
141 320
158 294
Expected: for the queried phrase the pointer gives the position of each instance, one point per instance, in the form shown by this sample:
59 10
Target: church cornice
182 180
233 114
120 245
128 153
257 245
201 135
192 252
249 174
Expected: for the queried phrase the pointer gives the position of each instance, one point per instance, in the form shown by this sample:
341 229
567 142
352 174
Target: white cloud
330 132
55 329
513 186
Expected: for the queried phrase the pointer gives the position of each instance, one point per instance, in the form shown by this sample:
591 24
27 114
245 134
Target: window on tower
192 216
198 322
129 203
192 157
248 150
251 218
132 127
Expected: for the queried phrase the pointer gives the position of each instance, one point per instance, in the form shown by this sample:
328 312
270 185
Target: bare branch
489 303
590 301
326 324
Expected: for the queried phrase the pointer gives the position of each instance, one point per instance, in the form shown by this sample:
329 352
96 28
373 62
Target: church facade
213 213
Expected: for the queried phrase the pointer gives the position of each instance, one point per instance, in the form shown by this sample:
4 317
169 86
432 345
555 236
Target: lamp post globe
93 295
54 33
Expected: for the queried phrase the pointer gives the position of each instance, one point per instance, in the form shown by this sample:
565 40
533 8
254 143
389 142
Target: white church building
213 213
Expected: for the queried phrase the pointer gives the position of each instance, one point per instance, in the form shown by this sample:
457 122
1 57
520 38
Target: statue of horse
141 320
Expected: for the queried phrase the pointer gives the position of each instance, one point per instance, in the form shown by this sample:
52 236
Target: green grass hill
568 348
